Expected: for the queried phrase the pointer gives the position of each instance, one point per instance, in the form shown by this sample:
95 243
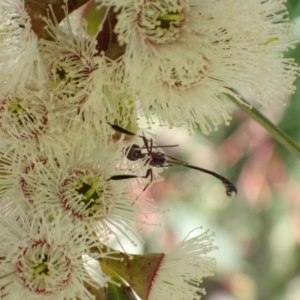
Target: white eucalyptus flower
181 271
19 57
81 184
24 115
182 56
69 62
27 122
42 257
85 86
114 92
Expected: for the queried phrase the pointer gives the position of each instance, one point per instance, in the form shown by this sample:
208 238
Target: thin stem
274 130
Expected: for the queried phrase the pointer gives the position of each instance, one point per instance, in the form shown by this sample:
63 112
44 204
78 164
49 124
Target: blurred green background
258 231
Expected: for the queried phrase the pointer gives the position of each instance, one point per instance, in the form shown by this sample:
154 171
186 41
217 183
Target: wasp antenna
120 129
164 146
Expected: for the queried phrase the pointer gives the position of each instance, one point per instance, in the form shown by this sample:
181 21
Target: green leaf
119 289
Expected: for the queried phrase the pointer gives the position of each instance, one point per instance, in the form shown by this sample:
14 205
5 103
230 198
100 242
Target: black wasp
160 160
